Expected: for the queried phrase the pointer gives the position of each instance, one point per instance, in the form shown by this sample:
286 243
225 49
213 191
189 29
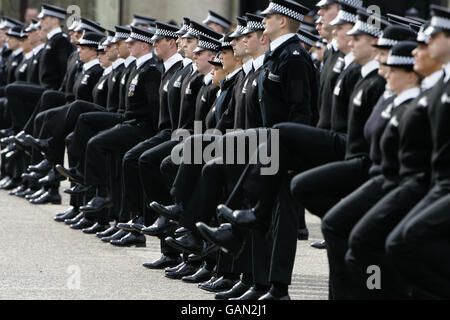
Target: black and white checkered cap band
240 28
14 34
140 37
398 60
121 36
45 12
306 40
253 26
207 45
367 28
196 32
185 28
440 22
353 3
387 42
166 33
225 44
285 11
422 36
345 16
88 42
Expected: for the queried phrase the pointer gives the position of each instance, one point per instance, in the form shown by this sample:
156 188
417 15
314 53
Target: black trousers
368 237
22 99
88 126
5 118
117 141
321 188
337 226
417 245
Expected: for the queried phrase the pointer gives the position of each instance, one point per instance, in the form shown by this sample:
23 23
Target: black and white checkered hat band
185 28
225 44
84 42
353 3
367 28
286 11
207 45
121 35
196 32
14 34
422 36
345 16
166 33
398 60
441 23
254 25
46 12
102 47
140 37
240 28
387 42
306 40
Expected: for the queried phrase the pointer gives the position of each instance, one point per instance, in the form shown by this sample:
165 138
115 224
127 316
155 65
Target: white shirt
107 71
53 33
129 61
90 64
38 49
369 67
186 62
258 62
29 55
143 59
334 45
430 81
171 61
447 72
280 40
207 79
17 52
348 59
247 67
117 63
231 75
406 95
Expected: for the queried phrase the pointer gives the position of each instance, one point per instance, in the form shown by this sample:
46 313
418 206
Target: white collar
38 49
54 32
258 62
117 63
29 55
387 93
348 59
194 68
17 52
90 64
186 62
171 61
129 60
143 59
334 45
447 72
431 80
207 79
406 95
369 67
107 71
280 40
231 75
247 67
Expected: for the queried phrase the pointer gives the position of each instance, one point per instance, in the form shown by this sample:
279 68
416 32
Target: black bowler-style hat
91 39
307 37
401 55
393 35
216 62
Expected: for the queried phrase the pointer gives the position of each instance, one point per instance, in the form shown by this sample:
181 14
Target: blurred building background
112 12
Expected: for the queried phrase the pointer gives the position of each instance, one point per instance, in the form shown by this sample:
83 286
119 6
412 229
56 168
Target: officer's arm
152 84
298 88
63 51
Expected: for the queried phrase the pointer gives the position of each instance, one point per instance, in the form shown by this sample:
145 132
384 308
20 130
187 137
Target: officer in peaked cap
185 27
89 25
143 21
196 29
217 22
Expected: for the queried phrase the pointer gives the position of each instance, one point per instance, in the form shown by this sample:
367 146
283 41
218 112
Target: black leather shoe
44 167
19 189
181 232
33 176
240 218
250 295
162 227
75 220
131 239
269 296
170 212
319 245
96 228
53 178
137 227
12 184
4 181
46 198
67 215
107 233
116 236
97 204
6 132
238 290
78 190
208 248
230 242
82 224
129 225
303 234
163 262
36 195
173 269
72 174
187 243
41 145
25 193
213 279
219 285
186 270
201 275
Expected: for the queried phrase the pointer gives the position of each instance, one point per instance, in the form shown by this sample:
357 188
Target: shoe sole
138 245
67 176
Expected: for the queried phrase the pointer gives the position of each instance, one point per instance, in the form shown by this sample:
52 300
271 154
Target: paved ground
42 259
